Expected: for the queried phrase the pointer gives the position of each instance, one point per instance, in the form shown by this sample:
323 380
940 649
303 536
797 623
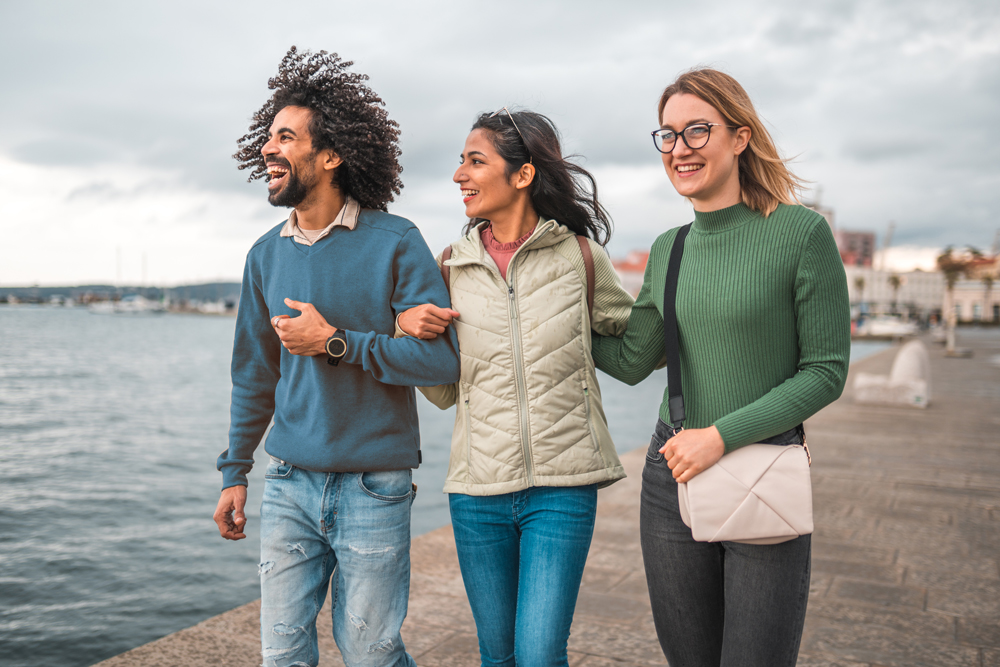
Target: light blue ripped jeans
354 527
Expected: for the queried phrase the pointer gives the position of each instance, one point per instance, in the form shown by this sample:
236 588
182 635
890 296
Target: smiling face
709 176
482 177
294 168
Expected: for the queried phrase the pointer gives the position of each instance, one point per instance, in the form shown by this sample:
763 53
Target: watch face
336 346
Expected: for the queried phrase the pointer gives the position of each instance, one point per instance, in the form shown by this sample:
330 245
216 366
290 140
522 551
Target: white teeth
469 193
689 167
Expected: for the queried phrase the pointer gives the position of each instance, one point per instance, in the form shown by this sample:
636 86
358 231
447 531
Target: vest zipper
522 389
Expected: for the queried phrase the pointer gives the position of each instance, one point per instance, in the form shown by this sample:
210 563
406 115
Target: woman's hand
693 450
426 321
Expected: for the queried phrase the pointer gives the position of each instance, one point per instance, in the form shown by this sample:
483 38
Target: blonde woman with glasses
764 335
531 445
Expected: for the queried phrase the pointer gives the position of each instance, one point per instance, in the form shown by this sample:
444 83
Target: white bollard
909 382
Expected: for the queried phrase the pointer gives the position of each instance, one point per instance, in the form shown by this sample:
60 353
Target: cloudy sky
120 118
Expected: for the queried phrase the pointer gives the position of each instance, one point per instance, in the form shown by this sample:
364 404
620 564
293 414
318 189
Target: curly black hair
347 117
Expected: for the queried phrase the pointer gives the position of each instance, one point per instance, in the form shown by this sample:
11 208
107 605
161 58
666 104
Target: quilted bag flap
757 488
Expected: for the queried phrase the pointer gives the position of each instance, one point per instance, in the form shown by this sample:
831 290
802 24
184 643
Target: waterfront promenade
905 554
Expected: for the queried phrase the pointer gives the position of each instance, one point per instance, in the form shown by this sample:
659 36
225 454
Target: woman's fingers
426 321
693 450
444 314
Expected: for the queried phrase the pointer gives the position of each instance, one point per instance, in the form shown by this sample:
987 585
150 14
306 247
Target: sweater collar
491 242
731 217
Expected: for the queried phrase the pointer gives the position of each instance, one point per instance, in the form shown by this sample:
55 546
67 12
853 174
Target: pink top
502 252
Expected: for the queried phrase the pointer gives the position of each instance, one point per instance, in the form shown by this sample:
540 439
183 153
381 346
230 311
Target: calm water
109 430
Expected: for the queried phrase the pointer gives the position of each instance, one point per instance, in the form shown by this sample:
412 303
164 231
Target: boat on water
886 327
133 304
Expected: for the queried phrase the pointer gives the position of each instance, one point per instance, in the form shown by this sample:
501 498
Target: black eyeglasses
694 136
497 112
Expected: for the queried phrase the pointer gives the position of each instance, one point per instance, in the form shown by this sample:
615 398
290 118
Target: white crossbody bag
758 494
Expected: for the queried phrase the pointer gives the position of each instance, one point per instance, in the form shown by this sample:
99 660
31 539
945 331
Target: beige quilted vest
528 404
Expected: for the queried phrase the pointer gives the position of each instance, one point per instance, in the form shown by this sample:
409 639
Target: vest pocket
468 437
586 410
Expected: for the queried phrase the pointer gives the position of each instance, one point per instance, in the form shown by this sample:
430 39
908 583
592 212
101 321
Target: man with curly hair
314 351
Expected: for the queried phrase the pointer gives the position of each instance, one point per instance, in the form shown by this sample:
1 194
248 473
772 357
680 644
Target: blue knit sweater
360 415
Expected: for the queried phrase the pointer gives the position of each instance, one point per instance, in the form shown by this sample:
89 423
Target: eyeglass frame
684 138
514 123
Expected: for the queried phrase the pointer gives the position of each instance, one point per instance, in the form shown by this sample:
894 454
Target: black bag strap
671 344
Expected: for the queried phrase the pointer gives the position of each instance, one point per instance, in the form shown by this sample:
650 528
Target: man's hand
306 334
426 321
692 451
229 513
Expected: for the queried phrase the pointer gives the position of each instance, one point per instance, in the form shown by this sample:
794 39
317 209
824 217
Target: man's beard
291 195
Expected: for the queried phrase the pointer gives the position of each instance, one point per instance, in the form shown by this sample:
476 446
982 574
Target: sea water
109 431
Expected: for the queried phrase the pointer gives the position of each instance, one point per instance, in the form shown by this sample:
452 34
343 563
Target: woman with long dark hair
763 327
531 444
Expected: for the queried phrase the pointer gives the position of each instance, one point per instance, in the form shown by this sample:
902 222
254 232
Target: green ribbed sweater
763 318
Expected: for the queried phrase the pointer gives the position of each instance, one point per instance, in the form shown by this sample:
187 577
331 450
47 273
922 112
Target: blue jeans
718 603
522 556
354 527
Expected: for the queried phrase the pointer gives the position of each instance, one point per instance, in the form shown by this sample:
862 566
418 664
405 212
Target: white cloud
70 225
890 106
907 258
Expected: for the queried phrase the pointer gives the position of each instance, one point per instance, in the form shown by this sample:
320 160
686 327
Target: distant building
981 267
920 293
975 303
856 248
631 270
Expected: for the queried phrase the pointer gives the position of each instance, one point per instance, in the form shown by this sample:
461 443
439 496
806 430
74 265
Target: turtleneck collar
724 219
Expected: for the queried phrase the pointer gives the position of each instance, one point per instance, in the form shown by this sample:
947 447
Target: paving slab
909 554
906 554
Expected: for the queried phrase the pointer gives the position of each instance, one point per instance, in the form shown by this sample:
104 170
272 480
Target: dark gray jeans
718 604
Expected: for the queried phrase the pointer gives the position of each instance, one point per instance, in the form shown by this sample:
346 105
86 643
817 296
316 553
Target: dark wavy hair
561 190
347 117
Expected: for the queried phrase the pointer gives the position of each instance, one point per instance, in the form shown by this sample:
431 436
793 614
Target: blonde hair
765 180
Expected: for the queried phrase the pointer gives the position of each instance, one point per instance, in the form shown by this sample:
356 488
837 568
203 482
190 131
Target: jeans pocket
392 486
278 469
653 454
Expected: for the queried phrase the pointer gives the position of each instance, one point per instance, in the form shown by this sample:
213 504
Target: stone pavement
905 555
907 507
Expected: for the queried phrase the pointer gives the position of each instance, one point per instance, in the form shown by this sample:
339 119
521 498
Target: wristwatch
336 347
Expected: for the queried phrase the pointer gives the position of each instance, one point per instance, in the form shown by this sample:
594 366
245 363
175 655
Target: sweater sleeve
822 315
639 351
443 396
256 368
612 304
410 361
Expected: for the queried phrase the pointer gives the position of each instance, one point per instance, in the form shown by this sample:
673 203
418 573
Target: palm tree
988 279
953 266
895 281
